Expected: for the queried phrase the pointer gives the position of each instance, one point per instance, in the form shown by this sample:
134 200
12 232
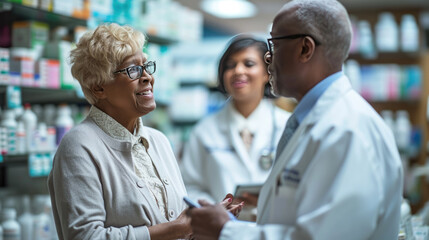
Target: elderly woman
112 177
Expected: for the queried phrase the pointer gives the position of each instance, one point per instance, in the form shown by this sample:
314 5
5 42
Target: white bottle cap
8 114
408 18
402 113
9 214
386 114
405 208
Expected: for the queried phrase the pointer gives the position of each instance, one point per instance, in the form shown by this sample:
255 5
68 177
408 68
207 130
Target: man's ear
98 91
307 49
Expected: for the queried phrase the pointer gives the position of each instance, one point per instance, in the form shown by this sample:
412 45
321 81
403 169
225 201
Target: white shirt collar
255 119
115 129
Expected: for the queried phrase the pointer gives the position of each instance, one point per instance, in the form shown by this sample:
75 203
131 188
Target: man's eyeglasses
135 72
294 36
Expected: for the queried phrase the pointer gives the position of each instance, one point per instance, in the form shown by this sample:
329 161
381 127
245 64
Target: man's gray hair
329 23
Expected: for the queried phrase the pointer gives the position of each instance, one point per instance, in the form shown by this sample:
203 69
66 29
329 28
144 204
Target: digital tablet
249 188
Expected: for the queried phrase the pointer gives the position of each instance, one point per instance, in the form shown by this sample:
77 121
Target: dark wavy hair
237 44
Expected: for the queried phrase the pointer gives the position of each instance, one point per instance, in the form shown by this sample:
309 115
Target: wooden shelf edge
160 40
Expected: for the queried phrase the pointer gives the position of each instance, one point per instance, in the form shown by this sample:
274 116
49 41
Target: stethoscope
266 160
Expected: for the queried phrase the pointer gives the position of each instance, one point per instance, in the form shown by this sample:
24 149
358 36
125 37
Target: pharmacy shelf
14 160
19 161
45 95
161 40
21 12
400 103
401 58
184 123
34 95
412 106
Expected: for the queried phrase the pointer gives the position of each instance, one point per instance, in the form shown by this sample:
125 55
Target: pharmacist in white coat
217 157
339 176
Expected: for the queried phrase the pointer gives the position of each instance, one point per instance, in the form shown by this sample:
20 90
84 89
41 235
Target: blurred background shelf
18 12
161 40
21 12
401 58
14 160
35 95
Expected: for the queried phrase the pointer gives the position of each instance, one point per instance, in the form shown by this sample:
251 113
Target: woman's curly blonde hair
99 52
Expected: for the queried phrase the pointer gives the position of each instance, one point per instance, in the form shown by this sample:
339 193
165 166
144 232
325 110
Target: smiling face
124 99
245 75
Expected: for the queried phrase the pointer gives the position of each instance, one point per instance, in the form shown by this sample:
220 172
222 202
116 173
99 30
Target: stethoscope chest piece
266 160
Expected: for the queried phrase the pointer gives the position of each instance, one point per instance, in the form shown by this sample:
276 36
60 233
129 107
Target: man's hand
207 221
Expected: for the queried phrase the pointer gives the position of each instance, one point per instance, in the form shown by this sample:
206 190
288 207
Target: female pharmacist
113 177
237 144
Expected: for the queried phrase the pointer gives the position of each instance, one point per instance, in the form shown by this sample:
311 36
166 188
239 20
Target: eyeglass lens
271 45
135 72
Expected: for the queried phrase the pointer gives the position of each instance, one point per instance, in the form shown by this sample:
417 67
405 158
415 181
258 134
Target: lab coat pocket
283 207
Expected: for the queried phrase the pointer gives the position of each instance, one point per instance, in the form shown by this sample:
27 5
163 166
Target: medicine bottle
26 219
387 116
64 121
403 130
10 124
21 139
409 34
42 228
29 119
386 31
405 223
11 228
366 42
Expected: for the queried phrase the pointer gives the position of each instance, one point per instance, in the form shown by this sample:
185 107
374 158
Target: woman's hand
233 206
249 199
178 228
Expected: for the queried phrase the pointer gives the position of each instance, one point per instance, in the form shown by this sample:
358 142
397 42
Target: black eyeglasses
135 72
294 36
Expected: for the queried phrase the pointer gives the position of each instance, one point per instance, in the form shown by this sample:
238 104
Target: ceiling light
229 8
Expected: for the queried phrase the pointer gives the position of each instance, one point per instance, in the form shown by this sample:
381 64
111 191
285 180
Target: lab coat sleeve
339 196
251 231
193 168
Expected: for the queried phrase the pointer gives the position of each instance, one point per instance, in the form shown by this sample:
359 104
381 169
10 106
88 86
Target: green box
60 50
30 34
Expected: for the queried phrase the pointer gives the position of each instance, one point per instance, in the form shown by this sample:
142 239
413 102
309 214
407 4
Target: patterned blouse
143 165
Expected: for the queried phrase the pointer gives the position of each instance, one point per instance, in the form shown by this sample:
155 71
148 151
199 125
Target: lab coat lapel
264 131
235 139
267 192
336 90
238 145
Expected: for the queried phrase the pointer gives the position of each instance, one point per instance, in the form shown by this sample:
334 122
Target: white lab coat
215 159
340 177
